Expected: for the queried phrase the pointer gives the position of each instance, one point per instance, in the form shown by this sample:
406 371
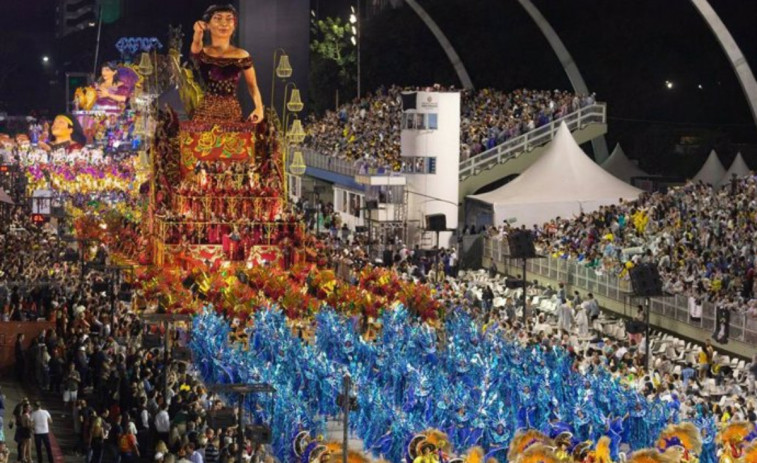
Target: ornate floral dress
221 76
110 105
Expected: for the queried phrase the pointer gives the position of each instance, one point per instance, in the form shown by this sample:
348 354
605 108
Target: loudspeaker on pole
646 281
521 244
436 222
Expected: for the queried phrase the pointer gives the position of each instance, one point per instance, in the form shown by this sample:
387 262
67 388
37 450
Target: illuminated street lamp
355 39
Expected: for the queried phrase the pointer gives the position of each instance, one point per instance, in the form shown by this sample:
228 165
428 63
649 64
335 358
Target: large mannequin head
66 129
62 129
22 141
221 20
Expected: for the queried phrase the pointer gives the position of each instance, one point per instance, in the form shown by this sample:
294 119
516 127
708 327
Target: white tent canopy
738 168
621 167
563 182
712 170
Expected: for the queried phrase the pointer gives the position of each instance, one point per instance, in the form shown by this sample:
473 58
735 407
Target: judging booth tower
430 150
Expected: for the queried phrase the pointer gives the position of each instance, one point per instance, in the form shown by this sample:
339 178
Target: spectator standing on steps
41 421
71 385
592 308
128 449
20 358
561 294
163 424
752 379
24 431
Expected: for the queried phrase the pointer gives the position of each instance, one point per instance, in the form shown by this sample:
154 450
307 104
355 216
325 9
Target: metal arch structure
569 65
732 50
454 58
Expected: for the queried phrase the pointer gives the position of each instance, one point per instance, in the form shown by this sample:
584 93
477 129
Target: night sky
626 51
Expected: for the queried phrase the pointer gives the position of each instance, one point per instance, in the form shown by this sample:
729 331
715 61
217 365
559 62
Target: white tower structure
430 150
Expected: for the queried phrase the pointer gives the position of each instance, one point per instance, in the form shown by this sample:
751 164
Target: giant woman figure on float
220 65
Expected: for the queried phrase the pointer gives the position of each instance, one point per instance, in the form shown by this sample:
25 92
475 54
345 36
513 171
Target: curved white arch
571 69
454 58
735 56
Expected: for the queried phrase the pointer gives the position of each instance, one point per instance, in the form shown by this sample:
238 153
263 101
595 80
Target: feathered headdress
581 450
439 439
564 438
538 453
735 432
523 439
686 435
750 454
475 455
413 446
602 451
300 442
652 456
352 457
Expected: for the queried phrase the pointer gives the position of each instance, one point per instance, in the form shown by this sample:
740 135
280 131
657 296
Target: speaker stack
646 281
436 222
521 244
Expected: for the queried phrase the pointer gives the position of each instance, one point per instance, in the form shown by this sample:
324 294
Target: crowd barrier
8 333
577 276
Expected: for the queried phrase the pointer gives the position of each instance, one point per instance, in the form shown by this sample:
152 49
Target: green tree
333 59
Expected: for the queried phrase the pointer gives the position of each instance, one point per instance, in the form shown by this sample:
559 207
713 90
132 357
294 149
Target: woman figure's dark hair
213 9
112 65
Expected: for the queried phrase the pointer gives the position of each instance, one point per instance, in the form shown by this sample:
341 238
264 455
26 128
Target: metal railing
741 328
342 166
592 114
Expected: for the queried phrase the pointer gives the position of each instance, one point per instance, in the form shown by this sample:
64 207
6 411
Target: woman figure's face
107 73
222 24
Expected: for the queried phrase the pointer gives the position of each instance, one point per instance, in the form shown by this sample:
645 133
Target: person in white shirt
194 455
565 317
541 326
582 322
41 421
453 263
163 424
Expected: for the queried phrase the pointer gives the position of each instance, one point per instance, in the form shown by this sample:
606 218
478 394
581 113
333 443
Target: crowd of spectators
701 238
368 129
125 401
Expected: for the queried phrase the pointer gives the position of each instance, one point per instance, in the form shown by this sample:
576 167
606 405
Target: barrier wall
8 333
670 314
